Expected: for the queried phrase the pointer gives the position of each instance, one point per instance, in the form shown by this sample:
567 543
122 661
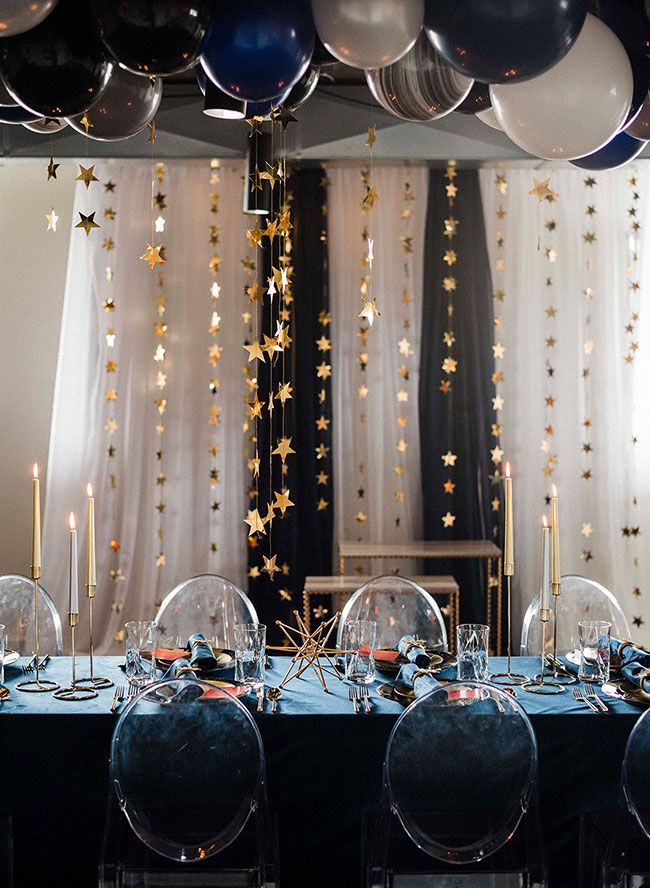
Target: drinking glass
141 641
2 654
359 640
594 650
472 647
250 654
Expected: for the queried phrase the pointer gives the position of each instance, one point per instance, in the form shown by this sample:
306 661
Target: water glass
141 642
472 646
3 635
359 641
594 650
250 654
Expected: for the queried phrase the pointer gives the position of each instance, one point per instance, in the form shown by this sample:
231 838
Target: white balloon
574 108
489 117
368 33
46 125
18 16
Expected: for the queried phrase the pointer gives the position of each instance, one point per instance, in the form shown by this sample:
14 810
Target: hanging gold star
87 223
254 235
449 365
496 455
152 255
271 230
51 169
502 185
85 122
255 351
449 458
322 478
369 310
255 292
587 529
323 370
361 517
372 136
284 392
152 132
321 451
321 504
254 572
270 567
269 174
370 199
282 501
448 520
254 521
284 448
52 219
322 423
284 116
86 175
541 190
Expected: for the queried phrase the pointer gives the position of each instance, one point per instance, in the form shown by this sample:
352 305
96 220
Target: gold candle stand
93 680
509 677
538 685
554 669
37 685
74 691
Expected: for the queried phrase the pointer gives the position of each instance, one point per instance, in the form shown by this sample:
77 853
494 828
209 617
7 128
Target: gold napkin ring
418 643
622 646
642 677
198 643
430 672
183 670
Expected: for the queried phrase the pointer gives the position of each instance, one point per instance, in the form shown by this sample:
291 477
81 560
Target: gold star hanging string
86 175
542 191
51 169
87 223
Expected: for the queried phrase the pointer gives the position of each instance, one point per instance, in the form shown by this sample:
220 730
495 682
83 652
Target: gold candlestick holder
538 684
554 669
74 691
93 680
509 677
37 685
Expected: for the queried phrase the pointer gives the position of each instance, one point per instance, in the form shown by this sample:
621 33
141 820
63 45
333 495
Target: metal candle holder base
537 685
508 677
74 692
95 682
37 685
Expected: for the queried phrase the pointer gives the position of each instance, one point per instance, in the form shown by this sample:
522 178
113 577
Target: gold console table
483 550
344 587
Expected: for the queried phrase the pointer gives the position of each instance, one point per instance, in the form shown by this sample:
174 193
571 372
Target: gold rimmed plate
626 690
166 656
390 668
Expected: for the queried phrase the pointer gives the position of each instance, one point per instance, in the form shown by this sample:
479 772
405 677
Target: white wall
32 280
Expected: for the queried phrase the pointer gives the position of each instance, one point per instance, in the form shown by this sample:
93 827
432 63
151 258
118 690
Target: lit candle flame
72 521
544 520
554 490
35 470
89 489
507 470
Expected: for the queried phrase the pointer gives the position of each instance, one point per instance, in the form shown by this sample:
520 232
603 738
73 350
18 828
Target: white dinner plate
11 657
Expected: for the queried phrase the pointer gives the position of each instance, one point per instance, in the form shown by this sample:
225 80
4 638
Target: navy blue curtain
303 540
459 421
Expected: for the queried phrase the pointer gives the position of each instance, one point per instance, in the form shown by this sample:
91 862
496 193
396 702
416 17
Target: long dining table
324 765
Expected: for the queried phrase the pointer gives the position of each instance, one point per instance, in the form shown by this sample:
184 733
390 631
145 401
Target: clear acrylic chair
399 607
187 790
17 613
581 599
209 604
460 776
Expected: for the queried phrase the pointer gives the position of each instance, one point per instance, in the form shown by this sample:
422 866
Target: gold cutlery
260 699
364 694
273 694
118 697
352 696
590 692
580 697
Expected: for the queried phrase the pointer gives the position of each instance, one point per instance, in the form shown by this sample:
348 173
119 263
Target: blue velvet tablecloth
324 770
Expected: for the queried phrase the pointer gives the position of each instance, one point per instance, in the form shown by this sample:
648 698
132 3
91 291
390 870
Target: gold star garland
498 355
549 331
111 399
214 356
405 350
51 217
160 363
449 363
632 530
586 296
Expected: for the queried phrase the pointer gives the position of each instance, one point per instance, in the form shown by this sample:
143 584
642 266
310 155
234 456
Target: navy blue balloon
503 41
628 20
16 114
616 153
478 99
256 49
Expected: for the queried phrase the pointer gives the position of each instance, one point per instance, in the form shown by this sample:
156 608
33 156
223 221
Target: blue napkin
201 653
634 662
188 692
421 685
413 653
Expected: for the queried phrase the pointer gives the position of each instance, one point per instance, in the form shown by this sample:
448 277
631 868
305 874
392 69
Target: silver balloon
18 16
126 106
420 86
46 125
489 117
368 33
639 128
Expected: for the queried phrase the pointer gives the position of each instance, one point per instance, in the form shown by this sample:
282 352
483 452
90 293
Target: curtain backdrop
543 359
372 443
79 441
458 421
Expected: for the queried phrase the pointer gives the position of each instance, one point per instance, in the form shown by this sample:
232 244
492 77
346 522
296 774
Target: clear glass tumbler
472 646
3 636
359 641
141 637
594 650
250 654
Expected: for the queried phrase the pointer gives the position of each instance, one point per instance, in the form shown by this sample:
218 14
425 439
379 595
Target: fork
578 695
120 692
364 694
28 668
500 706
590 692
352 696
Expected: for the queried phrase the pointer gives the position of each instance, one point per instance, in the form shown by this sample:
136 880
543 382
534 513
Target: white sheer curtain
373 442
619 396
79 441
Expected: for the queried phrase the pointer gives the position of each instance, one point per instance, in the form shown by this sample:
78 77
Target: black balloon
321 55
60 67
477 100
302 90
153 37
628 20
503 41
